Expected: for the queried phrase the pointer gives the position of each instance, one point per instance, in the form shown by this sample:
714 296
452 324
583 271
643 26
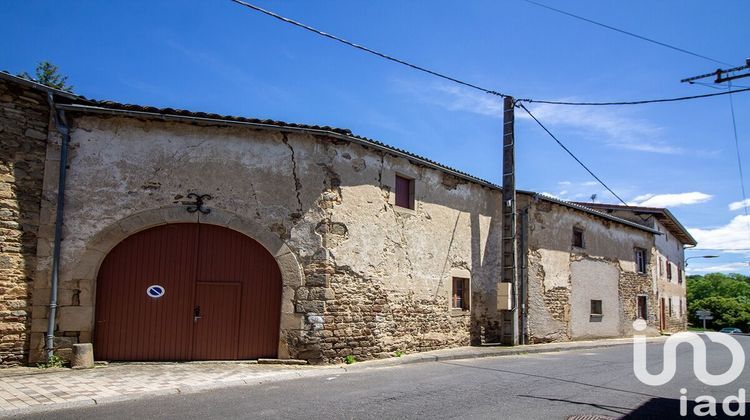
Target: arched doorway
187 291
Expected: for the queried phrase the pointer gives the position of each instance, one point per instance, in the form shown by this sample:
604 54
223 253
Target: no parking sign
155 291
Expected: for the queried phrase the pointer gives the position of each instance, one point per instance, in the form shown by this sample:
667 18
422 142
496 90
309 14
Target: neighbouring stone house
668 269
198 236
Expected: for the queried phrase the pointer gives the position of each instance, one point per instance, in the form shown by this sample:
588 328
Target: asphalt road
541 386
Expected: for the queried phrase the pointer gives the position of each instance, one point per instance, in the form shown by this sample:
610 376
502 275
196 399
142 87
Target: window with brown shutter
669 270
670 306
404 192
460 298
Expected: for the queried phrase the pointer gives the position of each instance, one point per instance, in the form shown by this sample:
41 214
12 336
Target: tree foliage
48 74
727 296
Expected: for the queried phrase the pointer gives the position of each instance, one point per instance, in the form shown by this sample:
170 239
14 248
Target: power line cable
458 81
622 31
641 102
572 154
369 50
710 85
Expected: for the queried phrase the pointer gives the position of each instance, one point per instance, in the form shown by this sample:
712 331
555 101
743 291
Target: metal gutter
282 128
62 128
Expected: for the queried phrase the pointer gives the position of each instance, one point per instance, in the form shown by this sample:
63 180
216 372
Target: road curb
467 353
479 353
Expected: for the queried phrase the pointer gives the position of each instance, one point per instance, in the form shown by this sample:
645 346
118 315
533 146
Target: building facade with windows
668 254
193 236
589 274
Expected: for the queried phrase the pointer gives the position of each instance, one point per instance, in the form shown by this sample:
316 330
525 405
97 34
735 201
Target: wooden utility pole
507 301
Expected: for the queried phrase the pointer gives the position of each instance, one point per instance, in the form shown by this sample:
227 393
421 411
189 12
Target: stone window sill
404 210
460 312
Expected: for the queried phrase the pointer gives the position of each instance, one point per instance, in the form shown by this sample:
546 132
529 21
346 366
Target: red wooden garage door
216 296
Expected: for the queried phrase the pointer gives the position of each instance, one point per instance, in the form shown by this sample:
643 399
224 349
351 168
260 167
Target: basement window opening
404 192
596 307
596 311
578 237
460 299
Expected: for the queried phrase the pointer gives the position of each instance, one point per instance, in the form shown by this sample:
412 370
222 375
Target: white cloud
604 125
720 268
735 235
739 204
670 200
612 127
579 191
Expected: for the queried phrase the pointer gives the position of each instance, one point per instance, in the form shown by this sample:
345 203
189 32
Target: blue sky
216 56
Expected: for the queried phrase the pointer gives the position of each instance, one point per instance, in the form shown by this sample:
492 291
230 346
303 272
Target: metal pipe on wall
62 128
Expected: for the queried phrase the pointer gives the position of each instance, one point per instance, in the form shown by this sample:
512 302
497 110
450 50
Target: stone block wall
24 123
633 285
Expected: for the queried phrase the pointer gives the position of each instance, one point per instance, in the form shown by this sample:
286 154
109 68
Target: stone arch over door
87 267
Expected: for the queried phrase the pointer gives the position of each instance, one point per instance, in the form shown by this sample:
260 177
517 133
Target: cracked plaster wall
564 279
373 278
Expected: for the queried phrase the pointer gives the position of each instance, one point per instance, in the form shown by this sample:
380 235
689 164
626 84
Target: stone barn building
193 236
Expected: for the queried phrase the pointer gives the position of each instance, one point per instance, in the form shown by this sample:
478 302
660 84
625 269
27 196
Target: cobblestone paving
26 387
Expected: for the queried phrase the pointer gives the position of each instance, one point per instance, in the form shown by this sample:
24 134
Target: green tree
727 296
48 74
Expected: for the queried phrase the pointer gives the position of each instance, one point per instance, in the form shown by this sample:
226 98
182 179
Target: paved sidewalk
31 389
60 388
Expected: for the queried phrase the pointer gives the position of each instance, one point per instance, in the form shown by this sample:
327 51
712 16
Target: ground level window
596 308
642 307
460 298
640 260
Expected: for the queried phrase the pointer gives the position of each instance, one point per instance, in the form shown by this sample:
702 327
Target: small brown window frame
460 294
404 192
641 307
